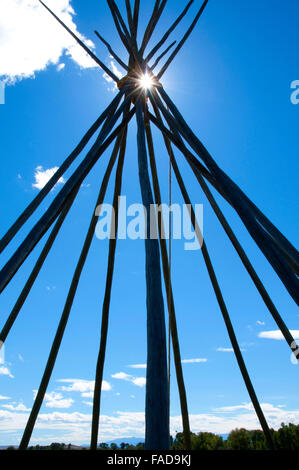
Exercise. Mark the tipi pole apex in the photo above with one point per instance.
(120, 19)
(157, 12)
(130, 17)
(136, 17)
(182, 42)
(124, 38)
(161, 56)
(147, 30)
(133, 30)
(114, 55)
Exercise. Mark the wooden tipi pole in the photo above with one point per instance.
(157, 403)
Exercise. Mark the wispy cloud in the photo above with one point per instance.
(225, 349)
(137, 366)
(85, 387)
(31, 39)
(88, 403)
(55, 400)
(230, 350)
(138, 381)
(75, 427)
(122, 376)
(6, 371)
(261, 323)
(60, 67)
(4, 398)
(50, 288)
(16, 407)
(184, 361)
(42, 177)
(277, 334)
(116, 72)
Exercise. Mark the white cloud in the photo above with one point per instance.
(2, 353)
(31, 39)
(87, 394)
(277, 334)
(60, 67)
(75, 427)
(85, 387)
(5, 371)
(106, 386)
(225, 350)
(261, 323)
(116, 72)
(15, 407)
(230, 409)
(55, 400)
(60, 403)
(137, 366)
(4, 398)
(138, 381)
(20, 357)
(42, 177)
(194, 361)
(122, 376)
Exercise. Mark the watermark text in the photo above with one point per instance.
(136, 222)
(295, 93)
(2, 92)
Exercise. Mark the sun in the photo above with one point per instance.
(146, 81)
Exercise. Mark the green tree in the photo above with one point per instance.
(206, 441)
(123, 445)
(287, 437)
(258, 440)
(103, 446)
(140, 446)
(113, 446)
(57, 446)
(239, 439)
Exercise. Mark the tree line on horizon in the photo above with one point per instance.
(285, 438)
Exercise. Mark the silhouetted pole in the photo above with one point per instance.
(157, 403)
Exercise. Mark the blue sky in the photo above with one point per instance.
(232, 82)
